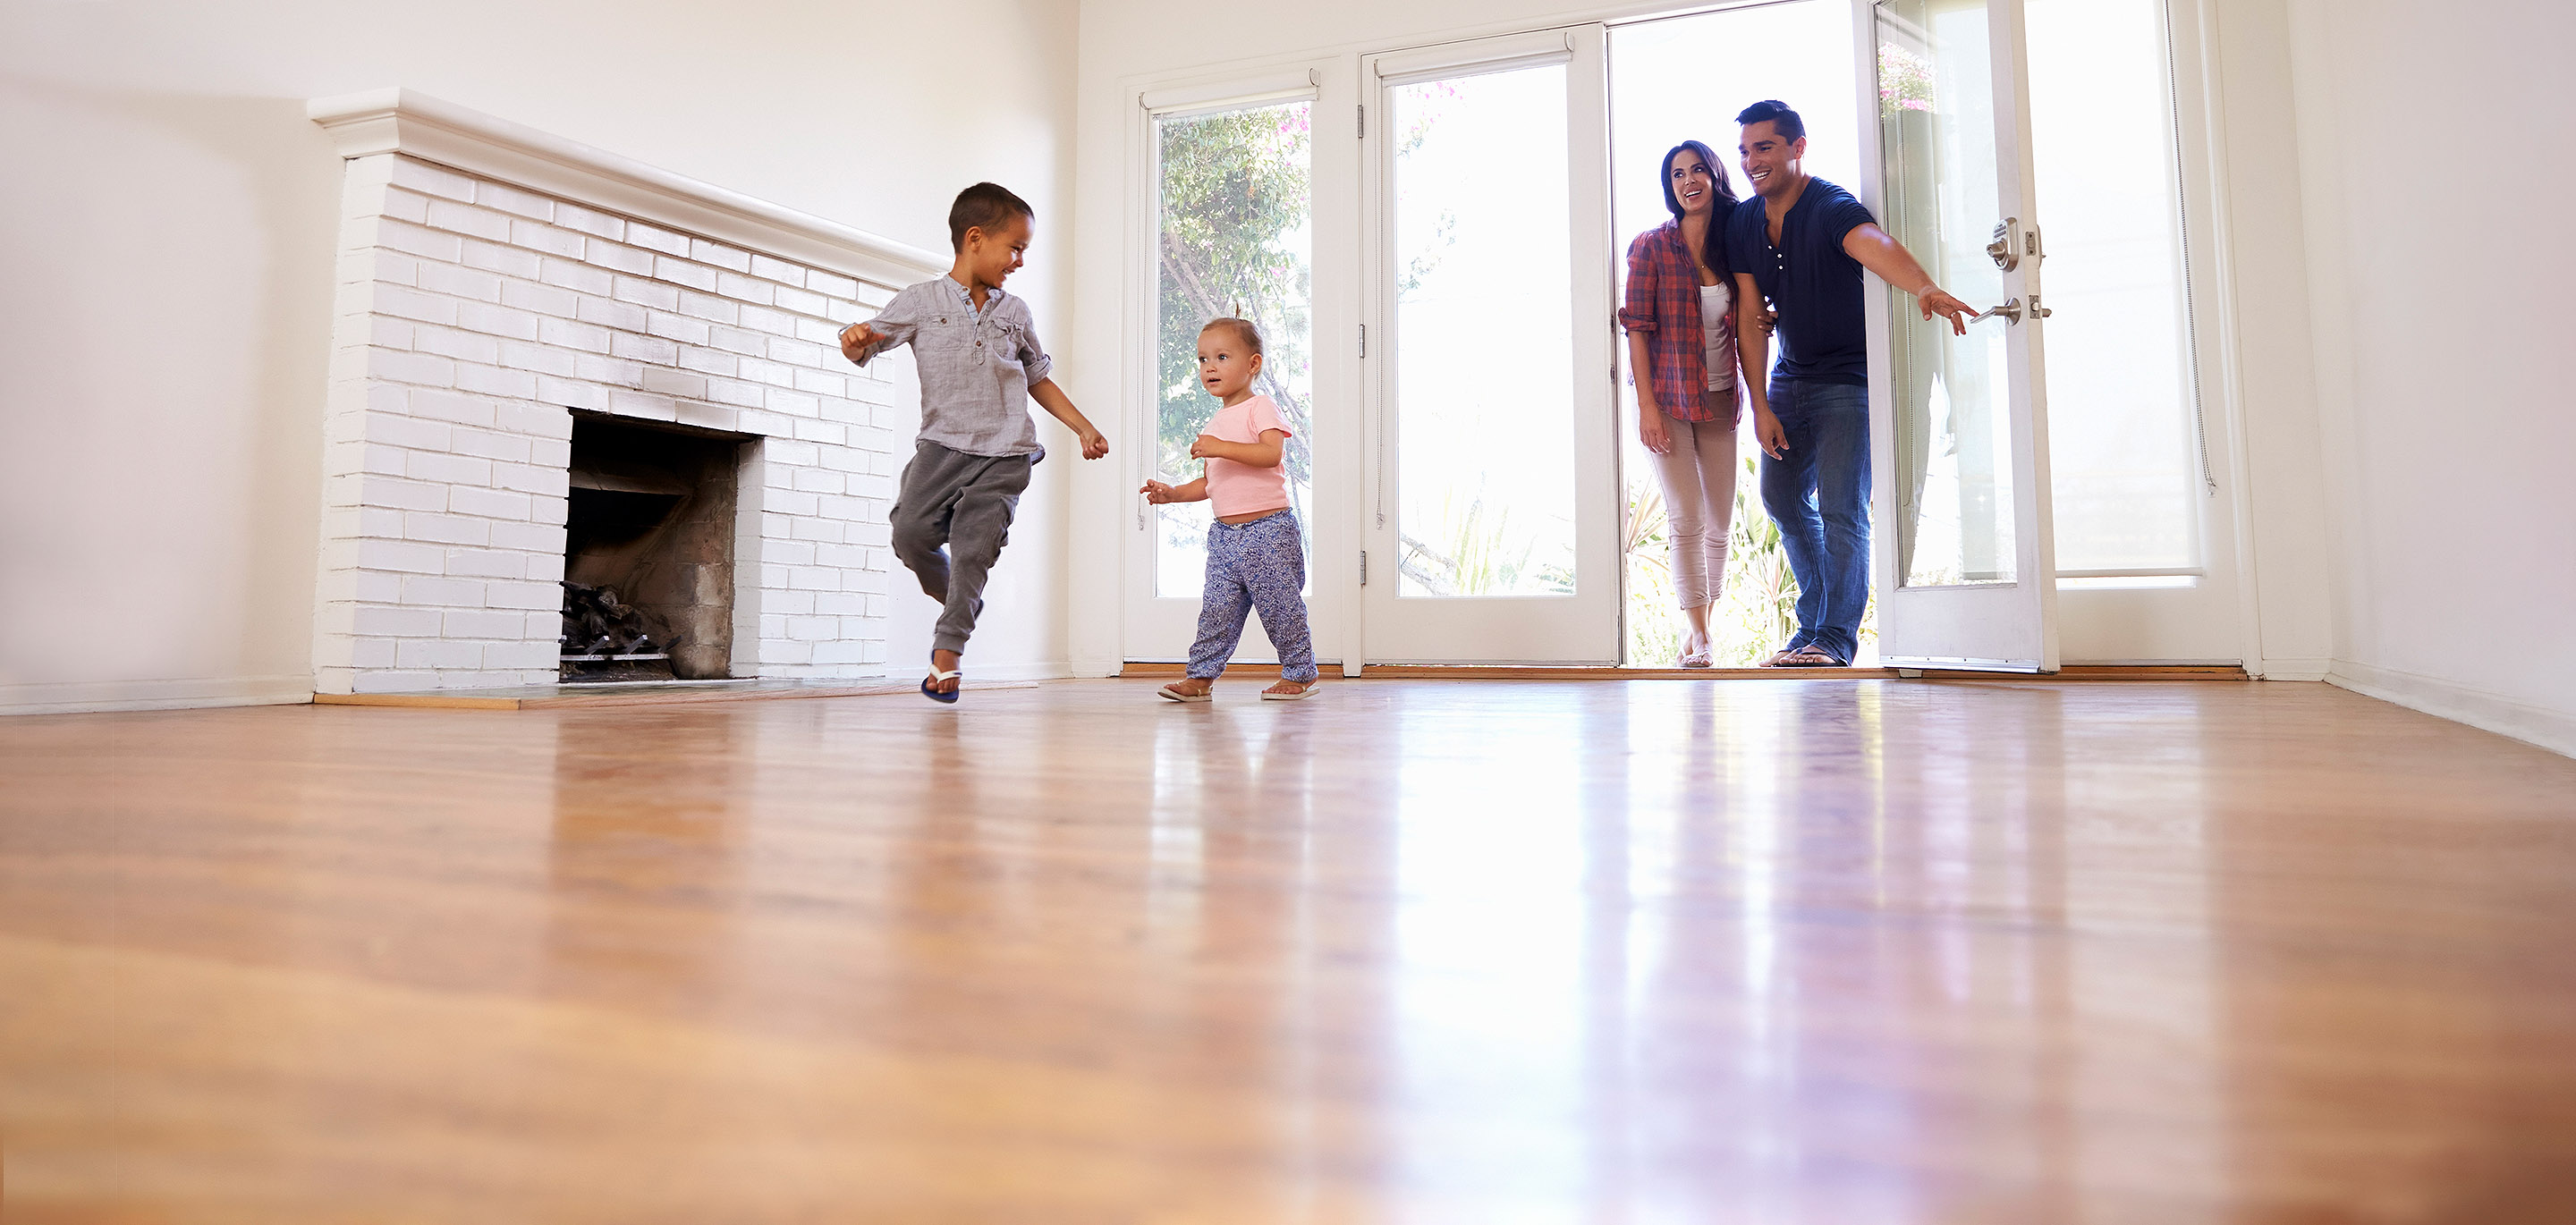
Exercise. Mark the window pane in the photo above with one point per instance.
(1954, 510)
(1483, 336)
(2121, 407)
(1235, 239)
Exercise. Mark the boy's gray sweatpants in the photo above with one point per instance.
(964, 502)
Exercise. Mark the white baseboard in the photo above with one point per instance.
(2554, 730)
(71, 697)
(2293, 668)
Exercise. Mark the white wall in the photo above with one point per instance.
(2268, 365)
(2433, 146)
(166, 267)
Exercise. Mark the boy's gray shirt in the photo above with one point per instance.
(976, 366)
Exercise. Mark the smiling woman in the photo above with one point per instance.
(1681, 344)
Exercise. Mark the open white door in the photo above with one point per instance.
(1228, 169)
(1491, 529)
(1963, 550)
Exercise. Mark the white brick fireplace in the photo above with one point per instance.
(492, 280)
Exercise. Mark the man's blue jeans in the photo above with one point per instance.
(1819, 495)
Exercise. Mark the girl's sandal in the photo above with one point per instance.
(1178, 694)
(1304, 691)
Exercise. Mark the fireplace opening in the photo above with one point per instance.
(649, 552)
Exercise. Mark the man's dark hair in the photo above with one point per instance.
(986, 207)
(1778, 115)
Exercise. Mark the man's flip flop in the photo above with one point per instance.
(1809, 657)
(936, 675)
(1300, 695)
(1178, 694)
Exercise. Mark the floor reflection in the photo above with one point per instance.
(1232, 845)
(1488, 1006)
(651, 836)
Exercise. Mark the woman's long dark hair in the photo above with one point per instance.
(1713, 243)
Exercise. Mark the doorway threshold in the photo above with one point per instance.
(1527, 672)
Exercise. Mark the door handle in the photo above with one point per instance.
(2010, 310)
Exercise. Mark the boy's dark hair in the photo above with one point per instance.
(1715, 240)
(1777, 113)
(985, 206)
(1242, 327)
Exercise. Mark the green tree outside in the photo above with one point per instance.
(1236, 196)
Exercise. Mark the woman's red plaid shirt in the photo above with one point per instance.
(1663, 305)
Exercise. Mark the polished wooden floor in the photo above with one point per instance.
(1411, 951)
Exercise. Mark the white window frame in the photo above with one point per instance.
(1146, 632)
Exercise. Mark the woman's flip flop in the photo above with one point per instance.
(1178, 694)
(1307, 692)
(935, 695)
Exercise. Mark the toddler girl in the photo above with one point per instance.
(1255, 560)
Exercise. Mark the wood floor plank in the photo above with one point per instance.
(1407, 951)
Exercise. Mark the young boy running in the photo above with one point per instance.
(980, 363)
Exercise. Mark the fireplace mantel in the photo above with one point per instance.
(435, 130)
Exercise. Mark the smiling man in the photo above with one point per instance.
(1800, 243)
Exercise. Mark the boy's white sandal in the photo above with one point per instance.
(950, 696)
(1300, 695)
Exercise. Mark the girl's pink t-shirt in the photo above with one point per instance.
(1241, 489)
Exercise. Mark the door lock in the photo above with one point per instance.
(2005, 250)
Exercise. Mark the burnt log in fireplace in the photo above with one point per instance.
(596, 622)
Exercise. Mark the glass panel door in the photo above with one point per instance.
(1495, 509)
(1484, 447)
(1233, 236)
(2124, 448)
(1961, 449)
(2144, 504)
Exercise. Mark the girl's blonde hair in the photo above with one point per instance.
(1242, 327)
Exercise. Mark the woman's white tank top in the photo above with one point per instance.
(1716, 303)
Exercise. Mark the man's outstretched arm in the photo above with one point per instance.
(1898, 267)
